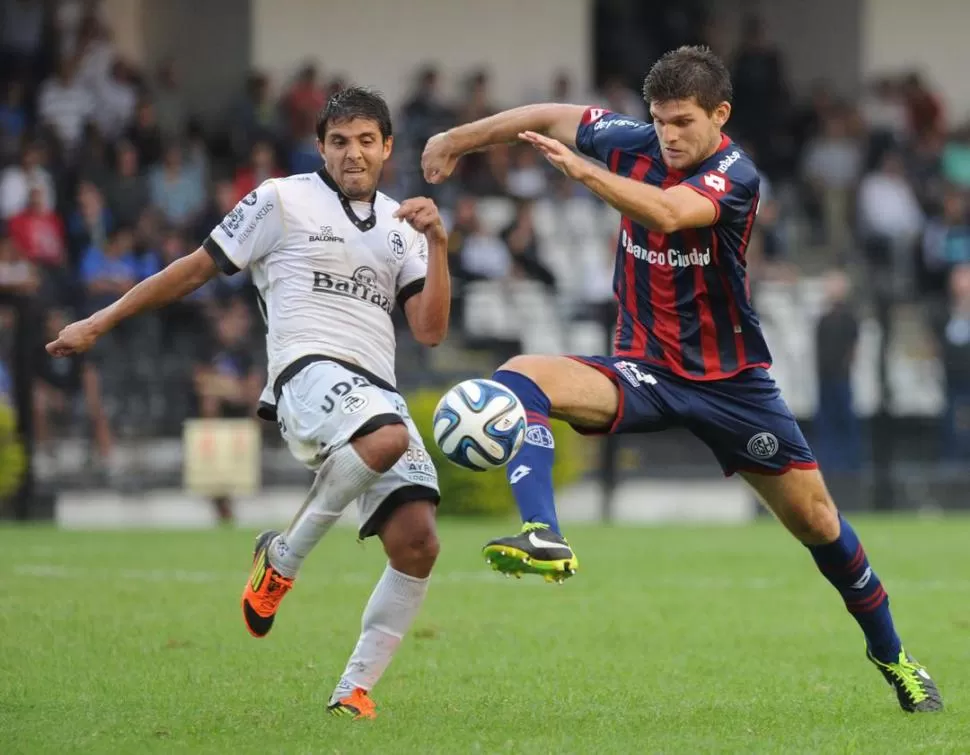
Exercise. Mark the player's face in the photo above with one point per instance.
(355, 153)
(688, 134)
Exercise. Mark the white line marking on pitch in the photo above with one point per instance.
(56, 571)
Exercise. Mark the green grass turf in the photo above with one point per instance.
(671, 639)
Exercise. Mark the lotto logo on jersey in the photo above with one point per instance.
(717, 183)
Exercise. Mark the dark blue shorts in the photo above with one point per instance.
(743, 419)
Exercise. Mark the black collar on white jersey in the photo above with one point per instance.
(362, 225)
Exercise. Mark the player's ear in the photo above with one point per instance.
(320, 148)
(388, 146)
(721, 114)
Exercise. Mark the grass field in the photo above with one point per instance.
(674, 639)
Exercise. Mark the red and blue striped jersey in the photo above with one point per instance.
(683, 297)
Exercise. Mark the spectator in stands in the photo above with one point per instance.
(90, 223)
(925, 108)
(255, 116)
(482, 173)
(886, 117)
(220, 202)
(807, 120)
(890, 222)
(946, 240)
(39, 233)
(93, 161)
(838, 442)
(21, 35)
(65, 105)
(481, 256)
(527, 176)
(490, 177)
(832, 164)
(17, 180)
(304, 100)
(262, 166)
(17, 275)
(760, 92)
(108, 272)
(523, 246)
(620, 98)
(955, 160)
(13, 119)
(58, 384)
(95, 53)
(169, 102)
(227, 380)
(924, 166)
(953, 330)
(424, 114)
(115, 100)
(145, 134)
(126, 190)
(176, 189)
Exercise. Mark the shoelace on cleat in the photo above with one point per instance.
(267, 600)
(907, 673)
(531, 526)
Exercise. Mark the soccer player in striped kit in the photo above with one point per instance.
(689, 351)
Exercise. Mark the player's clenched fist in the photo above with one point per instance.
(422, 214)
(75, 338)
(439, 158)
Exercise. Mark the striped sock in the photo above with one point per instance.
(845, 565)
(530, 473)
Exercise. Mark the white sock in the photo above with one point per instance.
(395, 602)
(342, 477)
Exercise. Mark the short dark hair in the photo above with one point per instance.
(355, 102)
(689, 71)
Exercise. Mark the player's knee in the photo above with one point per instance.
(524, 364)
(415, 551)
(816, 519)
(381, 448)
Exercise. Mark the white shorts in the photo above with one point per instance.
(326, 405)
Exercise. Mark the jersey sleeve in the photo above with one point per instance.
(252, 228)
(601, 131)
(731, 185)
(414, 269)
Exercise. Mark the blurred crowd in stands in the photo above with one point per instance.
(106, 178)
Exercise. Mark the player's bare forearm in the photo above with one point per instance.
(558, 121)
(428, 312)
(177, 280)
(661, 210)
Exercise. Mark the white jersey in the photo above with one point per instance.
(328, 271)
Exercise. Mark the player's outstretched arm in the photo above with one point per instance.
(443, 150)
(428, 312)
(664, 210)
(179, 279)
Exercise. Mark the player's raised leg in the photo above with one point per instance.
(563, 388)
(801, 501)
(411, 543)
(359, 448)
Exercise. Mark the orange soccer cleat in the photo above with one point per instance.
(264, 590)
(357, 705)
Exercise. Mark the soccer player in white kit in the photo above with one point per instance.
(330, 257)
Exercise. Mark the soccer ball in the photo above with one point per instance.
(479, 425)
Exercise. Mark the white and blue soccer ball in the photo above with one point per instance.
(479, 425)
